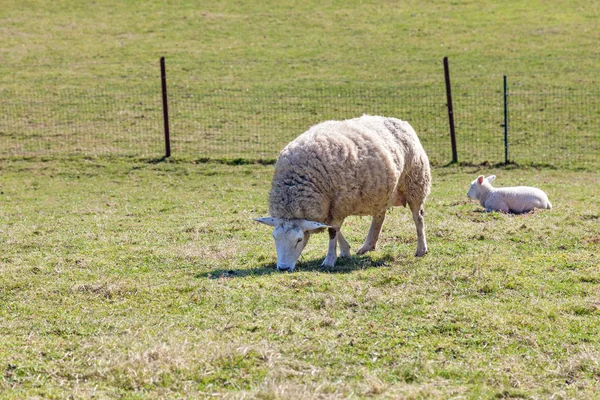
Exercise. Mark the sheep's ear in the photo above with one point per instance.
(311, 225)
(269, 221)
(490, 178)
(480, 179)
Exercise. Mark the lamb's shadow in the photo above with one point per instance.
(342, 266)
(524, 213)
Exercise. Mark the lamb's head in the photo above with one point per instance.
(476, 186)
(291, 236)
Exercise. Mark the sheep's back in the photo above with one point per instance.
(523, 198)
(339, 168)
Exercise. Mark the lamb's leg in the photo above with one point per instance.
(373, 235)
(497, 205)
(418, 216)
(332, 251)
(344, 246)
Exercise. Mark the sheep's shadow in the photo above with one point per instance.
(343, 266)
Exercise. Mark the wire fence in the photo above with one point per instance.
(80, 121)
(254, 121)
(257, 123)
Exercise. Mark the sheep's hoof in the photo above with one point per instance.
(365, 249)
(345, 254)
(328, 263)
(344, 250)
(420, 253)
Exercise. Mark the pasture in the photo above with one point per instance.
(136, 279)
(246, 77)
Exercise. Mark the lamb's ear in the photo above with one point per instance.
(480, 179)
(311, 225)
(268, 221)
(490, 178)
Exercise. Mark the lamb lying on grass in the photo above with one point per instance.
(361, 166)
(517, 199)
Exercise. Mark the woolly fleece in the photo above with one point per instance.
(360, 166)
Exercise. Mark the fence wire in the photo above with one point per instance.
(258, 122)
(91, 121)
(559, 127)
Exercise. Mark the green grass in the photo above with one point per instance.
(356, 40)
(136, 279)
(245, 77)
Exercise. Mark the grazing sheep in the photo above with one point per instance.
(360, 166)
(518, 199)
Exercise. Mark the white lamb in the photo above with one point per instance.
(518, 199)
(361, 166)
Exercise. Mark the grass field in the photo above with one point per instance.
(247, 76)
(142, 280)
(321, 40)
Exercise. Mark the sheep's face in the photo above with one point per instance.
(475, 189)
(290, 240)
(291, 236)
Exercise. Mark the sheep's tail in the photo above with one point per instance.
(549, 205)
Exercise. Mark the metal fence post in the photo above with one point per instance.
(505, 121)
(163, 78)
(450, 110)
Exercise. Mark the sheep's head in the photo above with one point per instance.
(476, 185)
(291, 236)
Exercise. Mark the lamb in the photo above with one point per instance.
(519, 199)
(360, 166)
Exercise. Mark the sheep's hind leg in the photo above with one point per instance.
(373, 235)
(418, 216)
(332, 250)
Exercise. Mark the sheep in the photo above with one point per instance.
(360, 166)
(518, 199)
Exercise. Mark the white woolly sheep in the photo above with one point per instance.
(360, 166)
(518, 199)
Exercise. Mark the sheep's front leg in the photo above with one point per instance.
(497, 205)
(332, 251)
(373, 235)
(344, 245)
